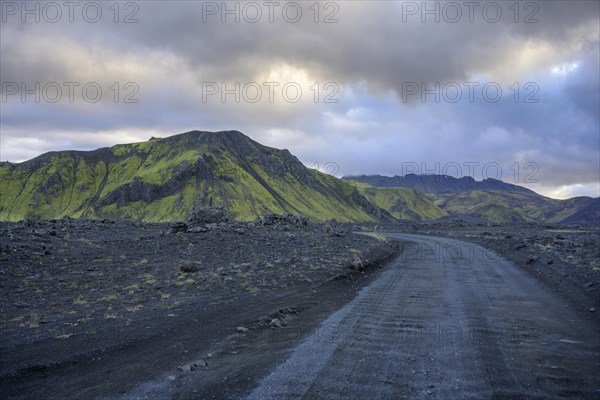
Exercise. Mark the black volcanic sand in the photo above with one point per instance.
(93, 308)
(564, 258)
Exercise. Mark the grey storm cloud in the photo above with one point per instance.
(371, 53)
(376, 43)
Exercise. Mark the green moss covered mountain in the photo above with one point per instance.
(402, 203)
(164, 179)
(502, 206)
(489, 199)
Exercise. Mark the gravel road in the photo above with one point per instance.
(448, 320)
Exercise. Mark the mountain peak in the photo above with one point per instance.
(229, 134)
(163, 179)
(433, 184)
(196, 136)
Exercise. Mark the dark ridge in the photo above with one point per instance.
(436, 184)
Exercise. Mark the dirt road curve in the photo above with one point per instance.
(447, 320)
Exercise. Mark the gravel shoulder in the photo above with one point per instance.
(95, 308)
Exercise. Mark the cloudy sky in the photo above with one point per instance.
(487, 89)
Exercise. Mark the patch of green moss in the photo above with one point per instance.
(402, 203)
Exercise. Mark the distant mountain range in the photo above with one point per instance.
(433, 184)
(162, 180)
(489, 199)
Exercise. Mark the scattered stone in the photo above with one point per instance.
(179, 227)
(277, 323)
(185, 368)
(357, 264)
(189, 268)
(284, 220)
(303, 220)
(329, 226)
(201, 215)
(530, 261)
(200, 363)
(242, 329)
(589, 284)
(192, 366)
(288, 310)
(198, 229)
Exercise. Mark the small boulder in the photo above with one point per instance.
(209, 215)
(530, 261)
(242, 329)
(199, 363)
(302, 220)
(329, 226)
(284, 221)
(288, 310)
(179, 227)
(357, 263)
(189, 268)
(185, 368)
(192, 366)
(277, 323)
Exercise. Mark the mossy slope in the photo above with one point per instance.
(402, 203)
(163, 179)
(503, 206)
